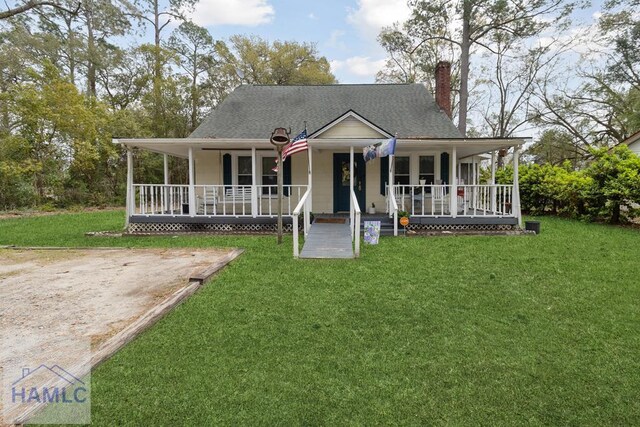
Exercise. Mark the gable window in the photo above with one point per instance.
(269, 177)
(244, 170)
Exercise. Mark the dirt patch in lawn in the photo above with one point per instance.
(90, 294)
(32, 213)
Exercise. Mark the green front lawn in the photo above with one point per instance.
(461, 330)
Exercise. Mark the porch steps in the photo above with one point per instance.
(386, 224)
(327, 240)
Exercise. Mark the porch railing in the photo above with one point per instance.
(153, 199)
(470, 200)
(268, 198)
(487, 200)
(215, 200)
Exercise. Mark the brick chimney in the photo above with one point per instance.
(443, 86)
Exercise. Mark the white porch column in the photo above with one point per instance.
(192, 188)
(390, 179)
(493, 167)
(165, 193)
(493, 182)
(254, 183)
(351, 187)
(310, 177)
(474, 182)
(474, 170)
(453, 205)
(390, 190)
(131, 197)
(516, 186)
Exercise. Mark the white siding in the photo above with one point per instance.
(635, 147)
(299, 162)
(350, 127)
(208, 167)
(322, 195)
(208, 171)
(373, 187)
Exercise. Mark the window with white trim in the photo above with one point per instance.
(269, 177)
(427, 170)
(402, 170)
(244, 170)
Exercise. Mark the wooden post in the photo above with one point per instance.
(192, 188)
(254, 183)
(516, 186)
(131, 197)
(280, 172)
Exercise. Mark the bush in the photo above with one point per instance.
(607, 188)
(614, 184)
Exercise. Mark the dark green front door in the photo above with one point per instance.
(341, 182)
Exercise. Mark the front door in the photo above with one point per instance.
(341, 182)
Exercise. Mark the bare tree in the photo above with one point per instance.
(32, 4)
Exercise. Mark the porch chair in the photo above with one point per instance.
(440, 199)
(234, 195)
(208, 201)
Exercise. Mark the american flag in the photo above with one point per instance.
(298, 144)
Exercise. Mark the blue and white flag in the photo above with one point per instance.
(381, 149)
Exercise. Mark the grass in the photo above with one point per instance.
(459, 330)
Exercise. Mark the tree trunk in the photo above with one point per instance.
(194, 92)
(615, 215)
(158, 126)
(465, 48)
(72, 48)
(91, 52)
(4, 111)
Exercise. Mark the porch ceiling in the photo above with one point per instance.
(179, 147)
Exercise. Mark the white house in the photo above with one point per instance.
(232, 186)
(633, 142)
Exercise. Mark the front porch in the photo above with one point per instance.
(231, 187)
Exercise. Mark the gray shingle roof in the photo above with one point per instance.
(254, 111)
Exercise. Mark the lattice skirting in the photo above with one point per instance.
(176, 227)
(418, 228)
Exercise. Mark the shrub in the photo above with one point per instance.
(606, 189)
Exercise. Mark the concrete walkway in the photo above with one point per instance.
(328, 241)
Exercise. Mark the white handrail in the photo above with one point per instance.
(296, 212)
(355, 224)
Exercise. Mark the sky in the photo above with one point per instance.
(344, 31)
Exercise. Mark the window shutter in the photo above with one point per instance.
(227, 177)
(286, 175)
(384, 174)
(444, 167)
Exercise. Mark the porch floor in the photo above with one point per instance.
(328, 240)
